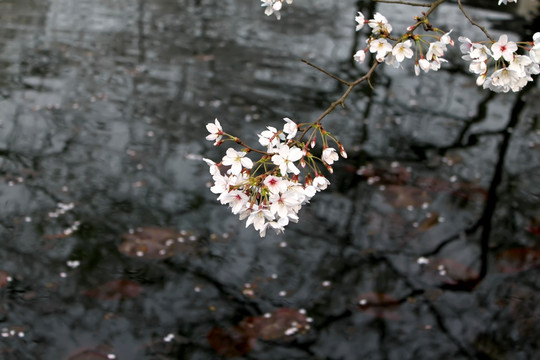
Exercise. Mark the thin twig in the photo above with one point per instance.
(474, 22)
(351, 86)
(326, 72)
(403, 3)
(367, 76)
(433, 6)
(243, 144)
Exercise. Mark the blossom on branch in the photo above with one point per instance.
(512, 71)
(270, 192)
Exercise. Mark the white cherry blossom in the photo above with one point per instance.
(403, 50)
(379, 24)
(215, 130)
(320, 182)
(269, 137)
(221, 184)
(360, 21)
(237, 160)
(237, 200)
(329, 155)
(478, 66)
(213, 167)
(381, 47)
(285, 159)
(282, 204)
(360, 56)
(480, 52)
(506, 1)
(446, 39)
(290, 128)
(466, 45)
(534, 53)
(436, 49)
(258, 216)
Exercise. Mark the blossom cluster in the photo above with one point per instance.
(512, 71)
(270, 192)
(429, 55)
(273, 7)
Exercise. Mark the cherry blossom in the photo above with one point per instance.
(221, 184)
(320, 182)
(534, 53)
(216, 132)
(290, 128)
(275, 184)
(329, 155)
(403, 50)
(267, 196)
(214, 169)
(360, 21)
(436, 49)
(269, 138)
(273, 7)
(284, 203)
(480, 52)
(380, 24)
(237, 160)
(466, 45)
(258, 216)
(446, 39)
(236, 199)
(512, 70)
(360, 56)
(285, 159)
(269, 192)
(504, 48)
(381, 47)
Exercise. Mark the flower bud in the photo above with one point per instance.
(342, 151)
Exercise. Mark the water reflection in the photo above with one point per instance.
(424, 245)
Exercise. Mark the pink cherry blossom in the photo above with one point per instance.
(504, 48)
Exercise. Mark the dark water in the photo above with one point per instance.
(102, 113)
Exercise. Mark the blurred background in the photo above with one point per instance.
(425, 246)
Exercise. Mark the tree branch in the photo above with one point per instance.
(403, 3)
(474, 23)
